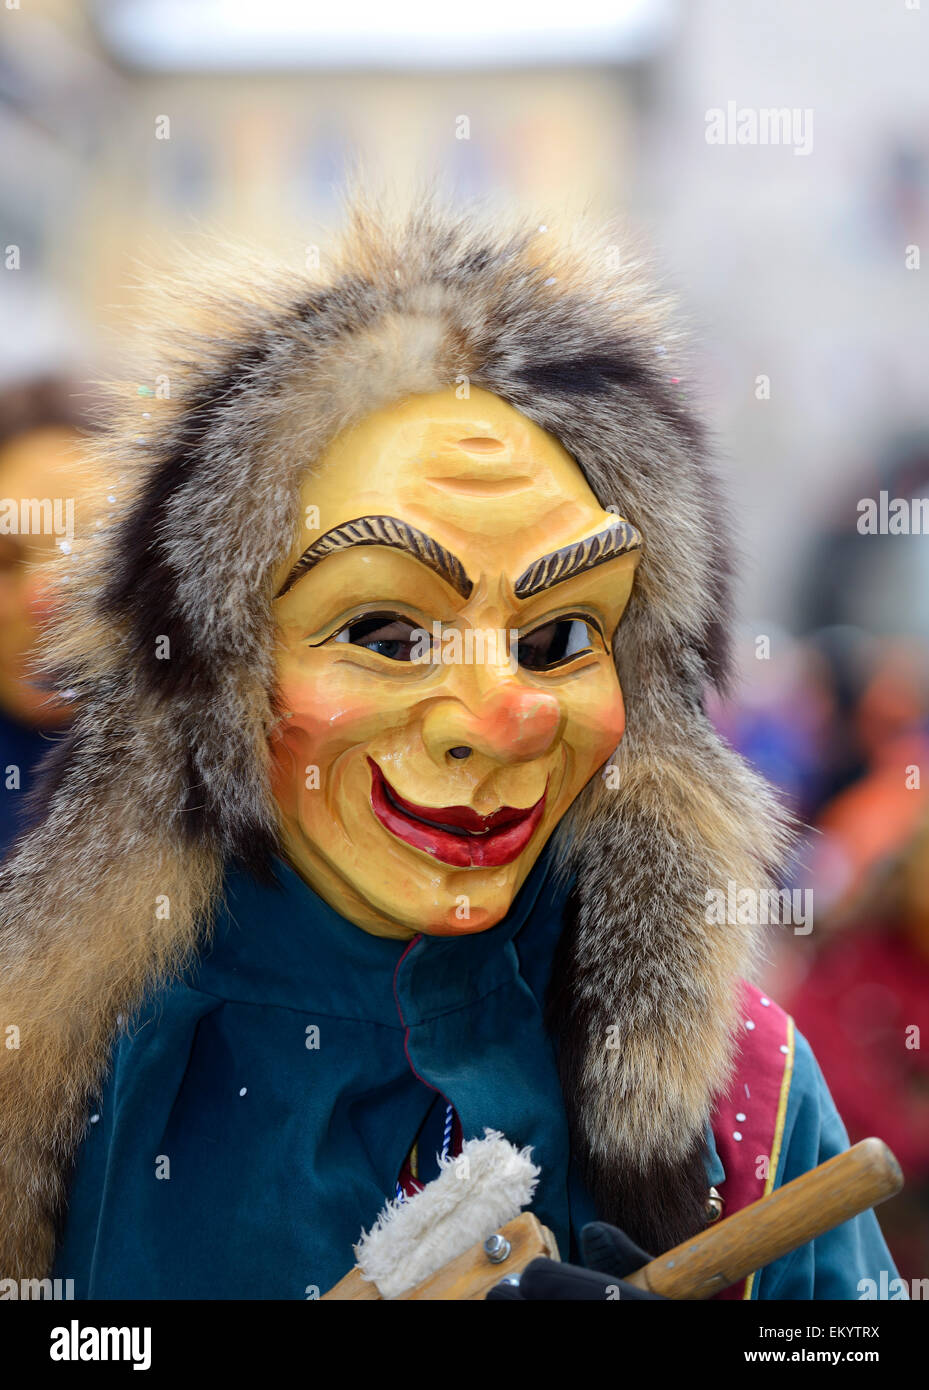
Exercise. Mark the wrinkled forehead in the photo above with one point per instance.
(474, 473)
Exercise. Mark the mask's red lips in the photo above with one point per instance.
(455, 834)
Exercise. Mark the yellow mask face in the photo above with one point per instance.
(447, 678)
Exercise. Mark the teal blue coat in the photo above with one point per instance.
(258, 1113)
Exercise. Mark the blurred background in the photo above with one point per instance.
(126, 124)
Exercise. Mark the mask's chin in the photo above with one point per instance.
(402, 893)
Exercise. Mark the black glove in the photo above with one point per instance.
(608, 1255)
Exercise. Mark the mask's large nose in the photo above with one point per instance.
(495, 716)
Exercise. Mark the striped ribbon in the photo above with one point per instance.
(446, 1145)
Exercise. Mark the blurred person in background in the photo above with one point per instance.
(784, 717)
(874, 817)
(864, 1006)
(41, 478)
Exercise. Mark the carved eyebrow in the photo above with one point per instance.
(382, 530)
(619, 538)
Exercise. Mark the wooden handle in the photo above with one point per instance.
(796, 1213)
(467, 1277)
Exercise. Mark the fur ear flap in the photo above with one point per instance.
(644, 986)
(78, 954)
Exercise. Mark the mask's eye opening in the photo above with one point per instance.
(556, 642)
(387, 634)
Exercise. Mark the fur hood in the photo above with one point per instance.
(164, 776)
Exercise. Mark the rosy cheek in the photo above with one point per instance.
(326, 715)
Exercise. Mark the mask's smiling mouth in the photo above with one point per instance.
(455, 834)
